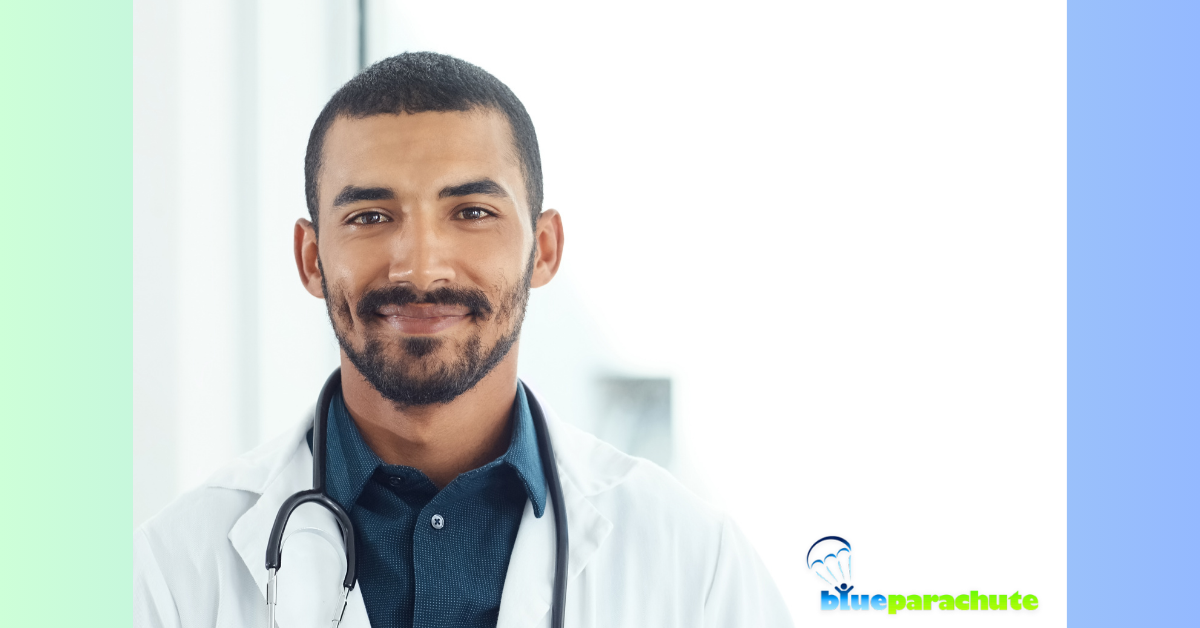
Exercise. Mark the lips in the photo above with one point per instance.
(422, 318)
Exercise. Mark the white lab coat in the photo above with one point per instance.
(644, 552)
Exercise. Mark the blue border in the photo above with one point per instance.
(1133, 313)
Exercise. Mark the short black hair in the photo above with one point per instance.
(416, 82)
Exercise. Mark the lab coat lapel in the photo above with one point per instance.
(249, 537)
(529, 582)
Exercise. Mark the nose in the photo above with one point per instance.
(420, 255)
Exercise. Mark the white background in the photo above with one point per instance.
(838, 227)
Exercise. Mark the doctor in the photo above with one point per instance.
(424, 191)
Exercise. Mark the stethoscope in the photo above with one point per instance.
(317, 495)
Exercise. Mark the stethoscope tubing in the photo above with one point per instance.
(561, 542)
(317, 493)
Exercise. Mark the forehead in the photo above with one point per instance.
(418, 153)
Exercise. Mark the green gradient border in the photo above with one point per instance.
(66, 181)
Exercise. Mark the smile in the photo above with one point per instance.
(422, 318)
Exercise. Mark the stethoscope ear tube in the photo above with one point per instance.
(561, 543)
(275, 541)
(317, 493)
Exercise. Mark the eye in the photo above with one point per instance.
(474, 213)
(369, 218)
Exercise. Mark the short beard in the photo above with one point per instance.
(397, 380)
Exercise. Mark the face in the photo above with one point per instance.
(426, 250)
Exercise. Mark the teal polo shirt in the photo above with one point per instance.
(426, 557)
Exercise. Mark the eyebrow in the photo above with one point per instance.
(481, 186)
(354, 194)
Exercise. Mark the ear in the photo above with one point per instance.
(307, 261)
(549, 238)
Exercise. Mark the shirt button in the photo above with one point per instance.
(437, 522)
(396, 482)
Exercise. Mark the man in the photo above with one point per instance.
(424, 190)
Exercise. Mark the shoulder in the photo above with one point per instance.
(194, 528)
(187, 570)
(183, 559)
(628, 489)
(666, 540)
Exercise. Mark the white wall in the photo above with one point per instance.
(840, 229)
(155, 175)
(227, 349)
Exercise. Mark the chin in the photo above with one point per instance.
(421, 346)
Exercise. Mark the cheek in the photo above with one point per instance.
(347, 271)
(339, 302)
(343, 307)
(510, 297)
(499, 269)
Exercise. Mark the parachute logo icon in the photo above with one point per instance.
(829, 558)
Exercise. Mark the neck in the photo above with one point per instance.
(441, 441)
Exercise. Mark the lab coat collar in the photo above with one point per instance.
(529, 583)
(282, 467)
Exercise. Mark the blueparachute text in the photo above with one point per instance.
(892, 603)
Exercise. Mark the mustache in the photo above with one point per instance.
(471, 298)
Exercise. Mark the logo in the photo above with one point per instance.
(830, 558)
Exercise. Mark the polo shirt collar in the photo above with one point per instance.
(523, 455)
